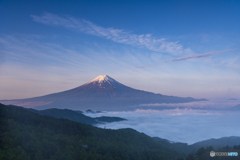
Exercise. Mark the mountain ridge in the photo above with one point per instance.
(103, 93)
(72, 115)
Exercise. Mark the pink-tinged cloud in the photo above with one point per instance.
(188, 57)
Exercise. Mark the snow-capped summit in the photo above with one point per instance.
(102, 79)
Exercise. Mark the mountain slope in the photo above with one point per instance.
(187, 149)
(101, 87)
(102, 93)
(217, 143)
(27, 135)
(76, 116)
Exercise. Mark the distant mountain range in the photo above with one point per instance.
(215, 143)
(102, 93)
(76, 116)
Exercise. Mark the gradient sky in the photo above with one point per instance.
(181, 48)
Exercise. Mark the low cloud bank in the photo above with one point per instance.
(178, 125)
(212, 104)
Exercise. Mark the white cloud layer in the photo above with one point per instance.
(213, 104)
(116, 35)
(177, 125)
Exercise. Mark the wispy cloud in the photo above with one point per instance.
(189, 57)
(116, 35)
(27, 50)
(199, 55)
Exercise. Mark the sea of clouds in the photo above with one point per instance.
(180, 124)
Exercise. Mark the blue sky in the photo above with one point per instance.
(181, 48)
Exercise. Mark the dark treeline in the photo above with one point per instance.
(25, 135)
(76, 116)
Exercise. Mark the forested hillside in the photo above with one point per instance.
(29, 136)
(25, 135)
(77, 116)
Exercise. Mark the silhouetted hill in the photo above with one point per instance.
(77, 116)
(91, 111)
(217, 143)
(109, 119)
(27, 135)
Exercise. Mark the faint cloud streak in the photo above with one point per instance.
(116, 35)
(188, 57)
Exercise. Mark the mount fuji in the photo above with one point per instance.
(102, 93)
